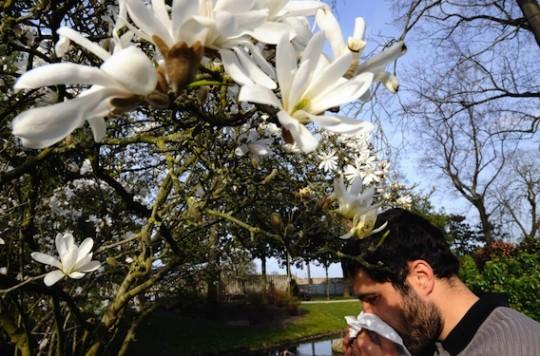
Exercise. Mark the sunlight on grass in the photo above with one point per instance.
(168, 333)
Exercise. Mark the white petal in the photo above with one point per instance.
(241, 150)
(195, 29)
(83, 42)
(53, 277)
(90, 266)
(300, 30)
(160, 11)
(259, 149)
(249, 20)
(60, 243)
(254, 72)
(340, 124)
(62, 47)
(258, 94)
(314, 49)
(81, 261)
(356, 187)
(380, 60)
(64, 73)
(342, 94)
(45, 126)
(388, 80)
(69, 259)
(356, 42)
(233, 6)
(46, 259)
(232, 66)
(144, 17)
(301, 8)
(299, 84)
(131, 67)
(285, 65)
(330, 26)
(99, 128)
(182, 10)
(64, 242)
(302, 137)
(270, 32)
(85, 247)
(260, 60)
(325, 79)
(359, 28)
(76, 275)
(348, 235)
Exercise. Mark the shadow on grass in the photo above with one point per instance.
(238, 328)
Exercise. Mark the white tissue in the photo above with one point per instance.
(374, 323)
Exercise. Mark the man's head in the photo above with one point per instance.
(397, 278)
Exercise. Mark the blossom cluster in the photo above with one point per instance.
(271, 54)
(267, 47)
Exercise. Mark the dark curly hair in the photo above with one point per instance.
(407, 237)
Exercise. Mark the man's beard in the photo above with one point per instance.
(422, 321)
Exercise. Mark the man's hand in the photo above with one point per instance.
(368, 343)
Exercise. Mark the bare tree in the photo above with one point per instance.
(519, 196)
(493, 38)
(473, 93)
(467, 148)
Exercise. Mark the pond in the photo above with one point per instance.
(309, 348)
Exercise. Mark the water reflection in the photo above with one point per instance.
(310, 348)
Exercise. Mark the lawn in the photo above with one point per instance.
(167, 333)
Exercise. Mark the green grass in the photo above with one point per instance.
(334, 297)
(170, 334)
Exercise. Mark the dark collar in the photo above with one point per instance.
(462, 334)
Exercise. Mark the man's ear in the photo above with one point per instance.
(421, 277)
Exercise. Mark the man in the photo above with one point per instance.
(407, 275)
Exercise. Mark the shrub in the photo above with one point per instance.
(518, 277)
(283, 300)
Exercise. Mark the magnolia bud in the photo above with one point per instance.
(277, 223)
(287, 136)
(111, 261)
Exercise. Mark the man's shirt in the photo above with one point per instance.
(490, 328)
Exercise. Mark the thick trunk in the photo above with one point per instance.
(212, 276)
(327, 282)
(309, 273)
(289, 274)
(531, 11)
(263, 271)
(487, 228)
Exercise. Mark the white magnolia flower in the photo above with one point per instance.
(356, 44)
(370, 176)
(86, 167)
(124, 78)
(74, 262)
(309, 88)
(404, 201)
(356, 205)
(251, 142)
(363, 165)
(328, 161)
(284, 16)
(2, 242)
(192, 25)
(3, 271)
(62, 47)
